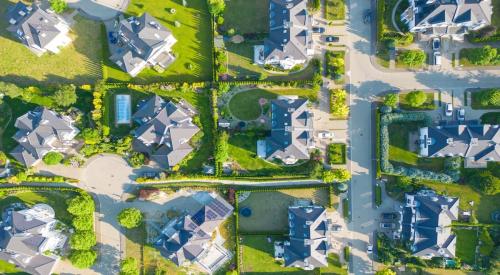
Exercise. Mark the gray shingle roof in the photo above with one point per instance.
(290, 30)
(165, 130)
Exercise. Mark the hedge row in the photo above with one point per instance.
(386, 166)
(237, 187)
(280, 177)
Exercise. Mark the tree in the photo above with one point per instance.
(416, 98)
(327, 176)
(486, 182)
(341, 174)
(483, 56)
(83, 258)
(82, 240)
(81, 205)
(314, 5)
(386, 271)
(91, 136)
(65, 96)
(129, 267)
(338, 105)
(3, 158)
(84, 222)
(11, 90)
(130, 218)
(52, 158)
(391, 100)
(490, 97)
(412, 58)
(137, 159)
(59, 6)
(216, 7)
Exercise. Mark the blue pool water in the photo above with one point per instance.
(122, 109)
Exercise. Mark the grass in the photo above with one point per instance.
(193, 42)
(245, 105)
(256, 19)
(78, 63)
(241, 67)
(275, 202)
(336, 153)
(476, 99)
(334, 10)
(427, 105)
(491, 118)
(10, 269)
(466, 245)
(495, 18)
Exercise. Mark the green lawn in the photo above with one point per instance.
(337, 153)
(241, 67)
(334, 9)
(275, 202)
(428, 104)
(255, 20)
(193, 42)
(466, 245)
(78, 63)
(10, 269)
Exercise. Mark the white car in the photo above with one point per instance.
(461, 114)
(326, 134)
(437, 58)
(448, 111)
(369, 249)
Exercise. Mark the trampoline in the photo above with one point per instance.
(246, 212)
(122, 109)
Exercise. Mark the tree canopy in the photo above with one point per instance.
(416, 98)
(391, 100)
(65, 96)
(413, 58)
(52, 158)
(81, 205)
(59, 6)
(386, 271)
(216, 7)
(129, 267)
(130, 217)
(82, 240)
(83, 258)
(84, 222)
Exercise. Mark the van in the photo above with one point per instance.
(437, 58)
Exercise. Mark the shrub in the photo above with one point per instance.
(82, 240)
(490, 97)
(65, 96)
(416, 98)
(129, 266)
(81, 205)
(52, 158)
(391, 100)
(130, 218)
(314, 5)
(3, 158)
(491, 118)
(338, 106)
(137, 159)
(485, 182)
(334, 64)
(482, 56)
(221, 150)
(386, 271)
(83, 258)
(85, 222)
(412, 58)
(216, 7)
(59, 6)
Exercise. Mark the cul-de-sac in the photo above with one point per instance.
(252, 137)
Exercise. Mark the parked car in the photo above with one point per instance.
(318, 29)
(367, 16)
(389, 216)
(369, 248)
(436, 44)
(331, 38)
(150, 174)
(336, 227)
(461, 114)
(448, 109)
(113, 37)
(387, 225)
(437, 58)
(325, 134)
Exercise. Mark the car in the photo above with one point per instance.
(389, 216)
(436, 44)
(387, 225)
(336, 227)
(448, 109)
(318, 29)
(150, 174)
(369, 248)
(437, 58)
(461, 114)
(113, 37)
(367, 16)
(326, 134)
(331, 38)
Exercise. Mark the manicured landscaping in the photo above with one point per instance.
(275, 202)
(378, 195)
(193, 49)
(334, 9)
(491, 118)
(345, 208)
(256, 19)
(466, 245)
(429, 103)
(335, 65)
(485, 56)
(10, 269)
(336, 153)
(486, 99)
(78, 63)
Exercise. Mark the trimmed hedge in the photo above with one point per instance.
(378, 195)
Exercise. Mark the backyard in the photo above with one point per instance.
(466, 245)
(275, 202)
(193, 48)
(78, 63)
(256, 19)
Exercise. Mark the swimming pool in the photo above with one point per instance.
(122, 109)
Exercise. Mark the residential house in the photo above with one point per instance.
(451, 18)
(164, 131)
(39, 30)
(476, 143)
(188, 238)
(142, 42)
(309, 232)
(28, 237)
(290, 40)
(426, 224)
(291, 131)
(41, 131)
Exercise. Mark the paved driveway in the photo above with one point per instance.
(99, 9)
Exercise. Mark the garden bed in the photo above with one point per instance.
(334, 10)
(429, 103)
(336, 153)
(477, 99)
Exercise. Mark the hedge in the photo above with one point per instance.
(345, 208)
(378, 195)
(237, 187)
(347, 253)
(251, 177)
(377, 142)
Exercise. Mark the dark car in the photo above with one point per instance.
(318, 29)
(150, 174)
(113, 38)
(436, 44)
(367, 16)
(387, 225)
(331, 38)
(389, 216)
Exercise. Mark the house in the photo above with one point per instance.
(41, 131)
(426, 224)
(477, 143)
(142, 42)
(28, 237)
(291, 131)
(451, 18)
(309, 232)
(290, 40)
(38, 29)
(188, 238)
(164, 131)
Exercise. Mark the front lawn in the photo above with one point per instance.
(336, 153)
(78, 63)
(10, 269)
(466, 245)
(334, 10)
(427, 105)
(275, 202)
(193, 42)
(255, 20)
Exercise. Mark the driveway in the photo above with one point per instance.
(99, 9)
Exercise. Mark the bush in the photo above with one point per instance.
(412, 58)
(481, 56)
(334, 64)
(83, 222)
(216, 7)
(416, 98)
(137, 159)
(59, 6)
(81, 205)
(338, 106)
(491, 118)
(52, 158)
(3, 158)
(490, 98)
(378, 195)
(82, 240)
(83, 258)
(129, 266)
(391, 100)
(65, 96)
(130, 218)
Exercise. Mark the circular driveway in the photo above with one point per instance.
(99, 9)
(107, 175)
